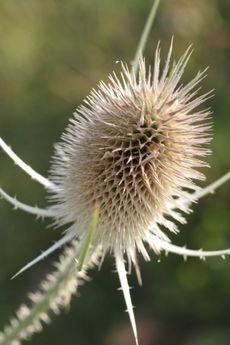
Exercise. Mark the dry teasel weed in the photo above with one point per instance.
(132, 148)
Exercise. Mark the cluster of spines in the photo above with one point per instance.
(54, 294)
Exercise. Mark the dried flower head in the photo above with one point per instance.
(132, 149)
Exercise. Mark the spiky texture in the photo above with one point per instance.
(132, 149)
(55, 293)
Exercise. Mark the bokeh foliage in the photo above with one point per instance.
(51, 54)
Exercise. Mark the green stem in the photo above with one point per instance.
(144, 35)
(51, 295)
(56, 290)
(88, 238)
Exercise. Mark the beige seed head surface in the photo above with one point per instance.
(132, 148)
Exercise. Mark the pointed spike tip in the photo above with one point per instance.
(126, 291)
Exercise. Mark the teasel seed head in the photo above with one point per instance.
(133, 148)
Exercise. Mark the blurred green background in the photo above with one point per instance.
(51, 54)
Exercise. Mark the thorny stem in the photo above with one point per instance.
(39, 212)
(30, 171)
(63, 240)
(145, 35)
(59, 284)
(210, 189)
(56, 290)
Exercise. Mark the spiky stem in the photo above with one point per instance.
(56, 290)
(120, 265)
(39, 212)
(158, 245)
(56, 293)
(211, 188)
(65, 239)
(31, 172)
